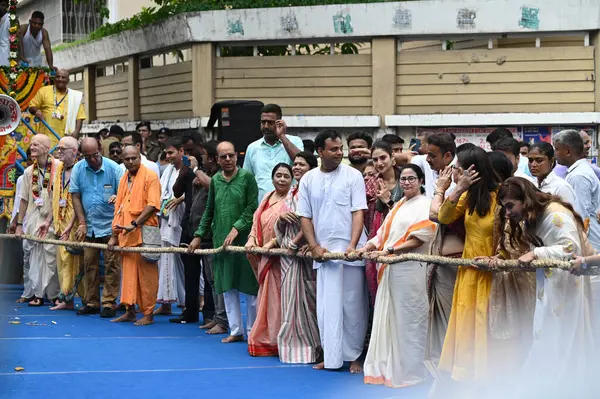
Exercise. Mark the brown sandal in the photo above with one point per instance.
(36, 303)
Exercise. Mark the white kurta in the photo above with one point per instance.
(42, 258)
(554, 185)
(171, 286)
(4, 39)
(563, 345)
(399, 334)
(329, 199)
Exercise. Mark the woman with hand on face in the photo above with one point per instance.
(298, 340)
(465, 351)
(262, 340)
(541, 165)
(383, 191)
(563, 342)
(397, 345)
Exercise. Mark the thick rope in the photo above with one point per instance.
(500, 265)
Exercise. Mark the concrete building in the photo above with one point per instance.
(64, 20)
(432, 65)
(122, 9)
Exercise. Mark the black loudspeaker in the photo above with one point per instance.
(239, 123)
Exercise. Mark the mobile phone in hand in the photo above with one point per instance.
(186, 161)
(415, 145)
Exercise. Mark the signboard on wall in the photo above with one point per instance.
(474, 135)
(537, 134)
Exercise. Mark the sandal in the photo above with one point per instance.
(36, 303)
(24, 300)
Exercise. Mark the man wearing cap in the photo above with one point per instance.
(150, 147)
(113, 135)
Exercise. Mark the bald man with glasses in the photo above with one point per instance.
(94, 185)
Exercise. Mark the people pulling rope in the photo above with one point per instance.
(491, 264)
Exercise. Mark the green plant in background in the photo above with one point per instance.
(167, 8)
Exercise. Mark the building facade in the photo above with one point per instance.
(430, 65)
(65, 20)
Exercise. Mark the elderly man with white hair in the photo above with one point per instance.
(36, 204)
(68, 260)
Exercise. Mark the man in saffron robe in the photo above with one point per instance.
(232, 200)
(36, 204)
(138, 201)
(64, 219)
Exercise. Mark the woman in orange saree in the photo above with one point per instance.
(262, 340)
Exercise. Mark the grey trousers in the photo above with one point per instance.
(220, 313)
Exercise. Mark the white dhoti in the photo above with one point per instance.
(171, 286)
(42, 271)
(27, 286)
(234, 313)
(342, 312)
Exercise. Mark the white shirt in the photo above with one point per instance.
(329, 200)
(149, 164)
(582, 178)
(554, 185)
(431, 175)
(520, 173)
(17, 203)
(523, 166)
(4, 39)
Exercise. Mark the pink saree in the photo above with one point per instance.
(263, 337)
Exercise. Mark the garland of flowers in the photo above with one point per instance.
(64, 193)
(13, 57)
(35, 186)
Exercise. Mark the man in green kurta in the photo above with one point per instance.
(232, 200)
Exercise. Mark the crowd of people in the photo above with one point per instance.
(397, 323)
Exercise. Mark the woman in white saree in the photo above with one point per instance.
(563, 345)
(397, 347)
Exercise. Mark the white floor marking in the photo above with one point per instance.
(150, 371)
(90, 338)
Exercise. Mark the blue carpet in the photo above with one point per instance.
(71, 356)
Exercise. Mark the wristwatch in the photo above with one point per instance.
(584, 264)
(390, 203)
(195, 170)
(134, 223)
(391, 250)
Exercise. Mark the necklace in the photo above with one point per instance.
(56, 102)
(35, 184)
(64, 195)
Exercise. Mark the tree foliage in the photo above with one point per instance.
(167, 8)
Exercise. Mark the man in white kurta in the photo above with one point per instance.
(569, 151)
(171, 287)
(331, 204)
(4, 33)
(27, 287)
(36, 205)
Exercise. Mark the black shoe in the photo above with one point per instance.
(88, 310)
(108, 312)
(183, 319)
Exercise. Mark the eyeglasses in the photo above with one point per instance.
(117, 152)
(227, 156)
(92, 156)
(268, 123)
(62, 149)
(410, 179)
